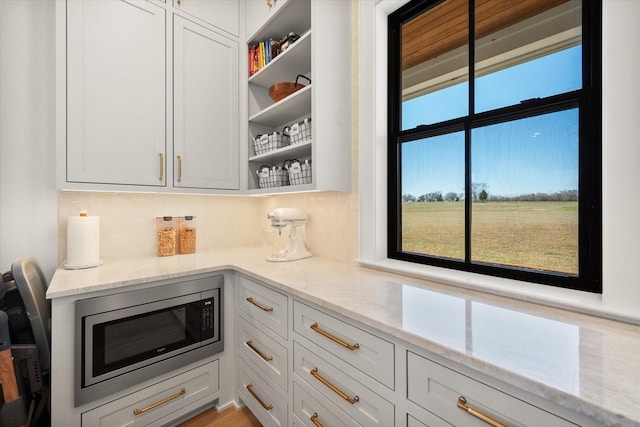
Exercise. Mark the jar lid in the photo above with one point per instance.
(167, 218)
(188, 217)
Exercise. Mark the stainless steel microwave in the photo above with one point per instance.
(130, 337)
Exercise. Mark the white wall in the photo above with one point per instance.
(28, 199)
(621, 155)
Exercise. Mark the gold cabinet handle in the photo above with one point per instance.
(269, 3)
(314, 420)
(258, 352)
(462, 404)
(260, 306)
(179, 1)
(179, 168)
(314, 373)
(161, 167)
(158, 403)
(333, 338)
(249, 388)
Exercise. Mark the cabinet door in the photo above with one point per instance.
(220, 13)
(115, 92)
(205, 117)
(259, 12)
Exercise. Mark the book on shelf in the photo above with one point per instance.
(261, 54)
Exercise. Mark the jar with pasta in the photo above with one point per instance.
(167, 236)
(187, 235)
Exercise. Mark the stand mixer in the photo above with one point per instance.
(296, 219)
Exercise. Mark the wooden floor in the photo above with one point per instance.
(230, 417)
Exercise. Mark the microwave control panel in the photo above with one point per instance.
(208, 318)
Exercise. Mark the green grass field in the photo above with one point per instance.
(538, 235)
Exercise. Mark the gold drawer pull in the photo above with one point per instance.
(249, 388)
(314, 420)
(333, 338)
(462, 404)
(158, 403)
(161, 167)
(179, 168)
(258, 352)
(336, 390)
(260, 306)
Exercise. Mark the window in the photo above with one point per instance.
(494, 123)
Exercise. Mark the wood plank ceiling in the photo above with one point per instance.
(445, 27)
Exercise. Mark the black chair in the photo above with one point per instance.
(25, 316)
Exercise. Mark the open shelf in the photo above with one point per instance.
(286, 110)
(281, 154)
(321, 54)
(286, 66)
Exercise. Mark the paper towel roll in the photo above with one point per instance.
(83, 242)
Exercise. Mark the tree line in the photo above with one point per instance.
(481, 195)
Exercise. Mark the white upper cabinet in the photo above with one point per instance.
(258, 12)
(220, 13)
(205, 75)
(148, 95)
(115, 93)
(156, 96)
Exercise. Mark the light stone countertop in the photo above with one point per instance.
(588, 364)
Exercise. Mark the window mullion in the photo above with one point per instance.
(467, 133)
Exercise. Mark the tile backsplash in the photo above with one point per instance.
(128, 227)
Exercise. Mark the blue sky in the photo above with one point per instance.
(538, 154)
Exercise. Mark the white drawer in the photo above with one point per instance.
(428, 420)
(412, 422)
(365, 406)
(308, 408)
(268, 356)
(267, 307)
(374, 355)
(178, 393)
(267, 405)
(438, 389)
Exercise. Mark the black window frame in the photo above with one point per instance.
(589, 103)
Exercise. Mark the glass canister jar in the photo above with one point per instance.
(167, 236)
(187, 235)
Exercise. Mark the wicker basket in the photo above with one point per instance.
(299, 132)
(272, 177)
(299, 173)
(269, 142)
